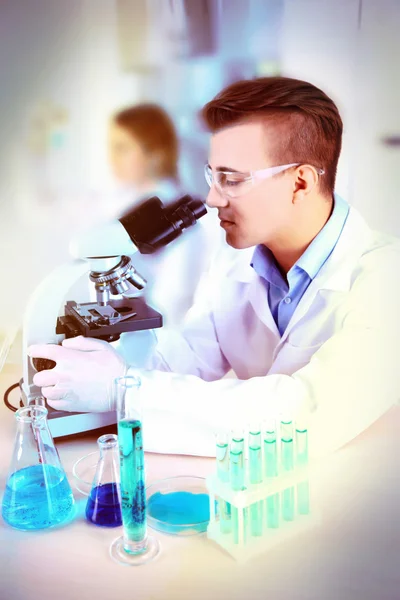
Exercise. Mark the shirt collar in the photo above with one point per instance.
(323, 244)
(316, 254)
(264, 264)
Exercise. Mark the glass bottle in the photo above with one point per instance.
(37, 493)
(134, 547)
(104, 504)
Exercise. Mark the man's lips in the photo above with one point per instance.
(226, 224)
(224, 220)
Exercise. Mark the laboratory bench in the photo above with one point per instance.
(354, 553)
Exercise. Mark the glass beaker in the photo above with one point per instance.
(135, 547)
(37, 493)
(103, 507)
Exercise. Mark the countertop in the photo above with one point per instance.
(354, 553)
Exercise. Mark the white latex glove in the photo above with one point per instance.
(83, 377)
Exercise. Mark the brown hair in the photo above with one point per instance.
(154, 130)
(309, 124)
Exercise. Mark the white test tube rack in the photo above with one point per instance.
(241, 544)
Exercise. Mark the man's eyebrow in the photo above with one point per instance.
(228, 169)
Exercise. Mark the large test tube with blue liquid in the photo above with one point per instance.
(135, 547)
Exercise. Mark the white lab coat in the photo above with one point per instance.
(336, 367)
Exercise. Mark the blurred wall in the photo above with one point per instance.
(55, 57)
(376, 173)
(319, 42)
(351, 48)
(62, 61)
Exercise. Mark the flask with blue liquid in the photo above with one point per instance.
(104, 503)
(37, 494)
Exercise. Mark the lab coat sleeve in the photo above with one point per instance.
(350, 381)
(181, 266)
(192, 350)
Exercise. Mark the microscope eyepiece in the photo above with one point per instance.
(151, 225)
(187, 212)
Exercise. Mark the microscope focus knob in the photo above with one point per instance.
(43, 364)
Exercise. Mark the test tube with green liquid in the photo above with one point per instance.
(303, 491)
(271, 470)
(287, 460)
(255, 476)
(236, 460)
(134, 547)
(223, 475)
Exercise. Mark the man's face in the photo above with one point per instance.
(262, 212)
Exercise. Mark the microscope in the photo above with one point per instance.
(96, 295)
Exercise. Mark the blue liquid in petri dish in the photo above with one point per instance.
(103, 506)
(37, 497)
(179, 512)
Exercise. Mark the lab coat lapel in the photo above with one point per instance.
(258, 297)
(335, 274)
(257, 291)
(319, 283)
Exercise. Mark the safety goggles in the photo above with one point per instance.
(234, 184)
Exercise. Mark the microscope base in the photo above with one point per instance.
(62, 423)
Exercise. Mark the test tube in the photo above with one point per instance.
(134, 547)
(223, 475)
(255, 455)
(236, 458)
(255, 475)
(303, 492)
(287, 465)
(271, 470)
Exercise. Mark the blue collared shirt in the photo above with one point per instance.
(284, 295)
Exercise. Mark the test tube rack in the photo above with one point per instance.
(273, 503)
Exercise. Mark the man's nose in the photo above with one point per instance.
(215, 199)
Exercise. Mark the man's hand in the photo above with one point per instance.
(82, 380)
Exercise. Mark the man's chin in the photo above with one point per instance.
(236, 242)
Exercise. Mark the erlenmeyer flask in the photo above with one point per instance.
(104, 504)
(37, 493)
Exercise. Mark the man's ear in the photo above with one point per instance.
(305, 182)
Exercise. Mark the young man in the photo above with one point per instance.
(304, 313)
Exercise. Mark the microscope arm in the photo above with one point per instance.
(102, 246)
(146, 228)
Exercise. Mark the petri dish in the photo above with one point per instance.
(84, 471)
(178, 505)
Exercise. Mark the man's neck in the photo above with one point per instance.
(294, 241)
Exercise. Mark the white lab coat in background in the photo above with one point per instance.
(336, 368)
